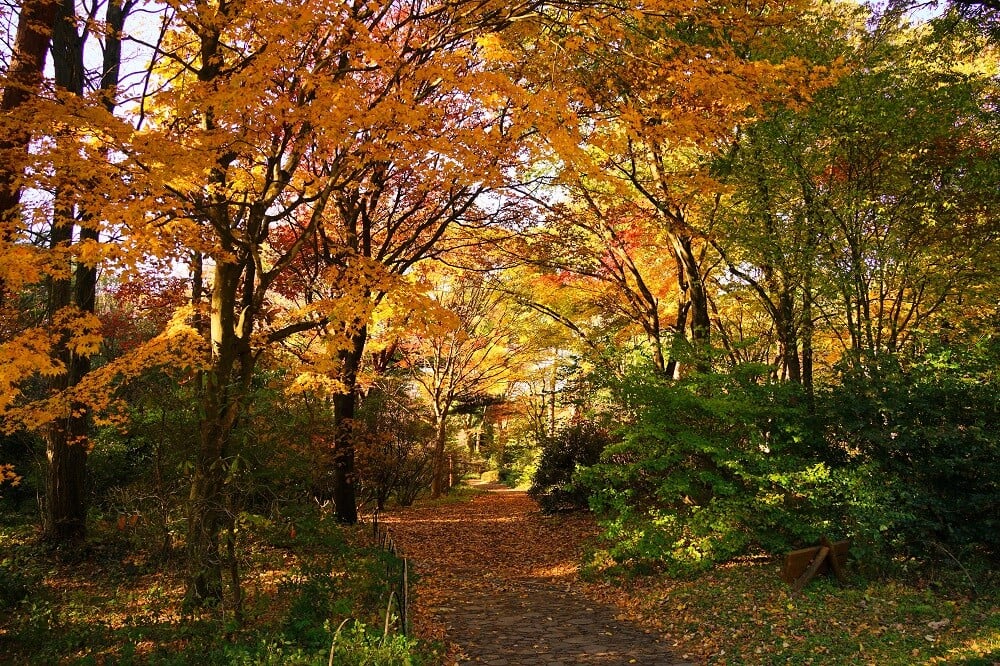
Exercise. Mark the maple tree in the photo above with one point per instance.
(66, 441)
(327, 91)
(658, 90)
(609, 248)
(43, 247)
(344, 100)
(399, 213)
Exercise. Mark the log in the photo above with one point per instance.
(809, 573)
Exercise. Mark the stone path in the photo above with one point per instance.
(501, 579)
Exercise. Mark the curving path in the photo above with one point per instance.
(500, 580)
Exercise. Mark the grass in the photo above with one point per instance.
(461, 492)
(307, 582)
(744, 614)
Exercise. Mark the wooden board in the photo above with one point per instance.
(820, 560)
(797, 561)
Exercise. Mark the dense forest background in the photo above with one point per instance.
(725, 273)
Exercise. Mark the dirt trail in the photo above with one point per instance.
(500, 580)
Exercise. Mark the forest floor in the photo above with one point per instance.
(500, 583)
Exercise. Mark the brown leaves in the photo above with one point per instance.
(481, 544)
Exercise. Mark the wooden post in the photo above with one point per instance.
(798, 561)
(406, 596)
(835, 563)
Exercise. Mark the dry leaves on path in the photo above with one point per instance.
(500, 580)
(499, 536)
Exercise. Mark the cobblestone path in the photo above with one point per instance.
(500, 579)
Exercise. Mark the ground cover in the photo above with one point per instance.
(308, 583)
(742, 613)
(118, 602)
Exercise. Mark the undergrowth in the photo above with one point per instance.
(309, 585)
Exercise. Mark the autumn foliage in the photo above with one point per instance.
(336, 251)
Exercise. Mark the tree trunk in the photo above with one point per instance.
(344, 486)
(552, 395)
(693, 288)
(220, 404)
(679, 333)
(788, 337)
(807, 336)
(66, 442)
(206, 504)
(24, 76)
(656, 338)
(344, 410)
(438, 483)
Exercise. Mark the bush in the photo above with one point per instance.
(715, 466)
(391, 456)
(577, 445)
(359, 646)
(513, 461)
(919, 445)
(898, 458)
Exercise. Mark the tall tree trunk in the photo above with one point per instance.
(65, 483)
(439, 482)
(670, 370)
(656, 339)
(788, 337)
(67, 443)
(24, 76)
(807, 336)
(344, 410)
(220, 395)
(220, 389)
(692, 285)
(552, 395)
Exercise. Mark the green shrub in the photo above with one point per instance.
(577, 445)
(355, 644)
(714, 466)
(899, 458)
(360, 646)
(513, 461)
(918, 446)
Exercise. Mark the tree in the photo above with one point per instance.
(341, 97)
(481, 355)
(66, 438)
(657, 89)
(608, 247)
(23, 78)
(880, 209)
(455, 126)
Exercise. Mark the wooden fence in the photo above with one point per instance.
(397, 576)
